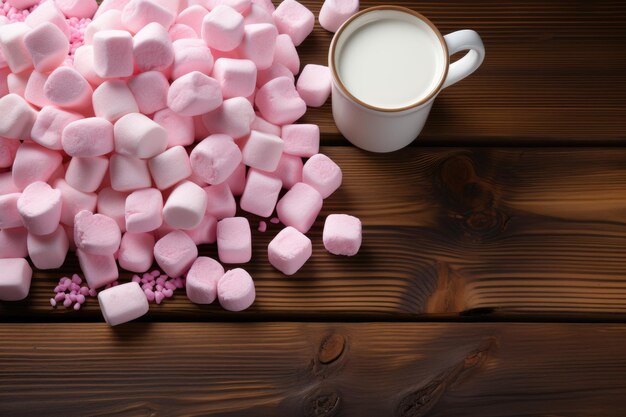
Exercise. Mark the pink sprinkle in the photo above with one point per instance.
(136, 278)
(67, 302)
(76, 279)
(262, 226)
(80, 299)
(160, 280)
(66, 285)
(59, 288)
(158, 297)
(84, 291)
(92, 292)
(73, 297)
(149, 294)
(179, 282)
(170, 285)
(274, 220)
(60, 296)
(63, 280)
(147, 286)
(74, 292)
(155, 273)
(159, 287)
(167, 293)
(53, 302)
(76, 306)
(75, 287)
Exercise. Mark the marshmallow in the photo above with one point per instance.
(112, 203)
(15, 279)
(139, 13)
(66, 88)
(235, 290)
(16, 83)
(34, 163)
(108, 20)
(123, 303)
(237, 77)
(49, 251)
(144, 210)
(191, 55)
(4, 75)
(73, 201)
(109, 5)
(232, 118)
(96, 234)
(170, 167)
(39, 206)
(152, 48)
(179, 128)
(215, 158)
(223, 28)
(48, 12)
(258, 44)
(128, 173)
(9, 215)
(289, 250)
(113, 99)
(185, 207)
(150, 91)
(220, 201)
(18, 117)
(294, 19)
(13, 47)
(201, 280)
(192, 17)
(13, 243)
(172, 5)
(205, 232)
(321, 173)
(261, 193)
(33, 92)
(262, 125)
(49, 125)
(113, 53)
(301, 139)
(334, 12)
(86, 174)
(314, 85)
(99, 270)
(275, 71)
(289, 170)
(240, 6)
(23, 4)
(194, 94)
(139, 136)
(257, 14)
(200, 131)
(48, 47)
(175, 253)
(237, 180)
(262, 151)
(286, 54)
(180, 31)
(136, 252)
(299, 207)
(81, 9)
(8, 149)
(267, 5)
(234, 240)
(88, 137)
(279, 102)
(342, 234)
(83, 63)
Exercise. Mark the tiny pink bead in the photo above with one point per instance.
(76, 279)
(179, 283)
(274, 220)
(80, 298)
(64, 280)
(147, 286)
(160, 280)
(53, 302)
(164, 276)
(149, 294)
(136, 278)
(155, 273)
(158, 297)
(73, 297)
(76, 306)
(67, 302)
(84, 291)
(58, 288)
(167, 292)
(170, 285)
(75, 287)
(66, 285)
(92, 292)
(159, 287)
(60, 296)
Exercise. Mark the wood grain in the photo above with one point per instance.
(553, 73)
(446, 231)
(322, 370)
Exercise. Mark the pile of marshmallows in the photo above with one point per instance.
(100, 155)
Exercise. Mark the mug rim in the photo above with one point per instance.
(402, 9)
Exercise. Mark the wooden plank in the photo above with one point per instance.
(310, 369)
(446, 231)
(553, 73)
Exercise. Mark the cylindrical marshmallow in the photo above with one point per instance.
(289, 250)
(113, 99)
(234, 240)
(48, 12)
(342, 234)
(128, 173)
(262, 151)
(16, 277)
(314, 84)
(83, 63)
(215, 158)
(220, 201)
(66, 88)
(194, 94)
(39, 206)
(9, 215)
(13, 48)
(223, 28)
(139, 136)
(261, 193)
(81, 9)
(49, 251)
(48, 47)
(235, 290)
(294, 19)
(86, 174)
(8, 149)
(289, 170)
(150, 91)
(191, 55)
(49, 125)
(134, 305)
(286, 54)
(334, 12)
(144, 210)
(99, 270)
(136, 252)
(111, 203)
(138, 13)
(237, 77)
(88, 137)
(232, 118)
(179, 31)
(205, 232)
(152, 48)
(73, 201)
(257, 14)
(175, 253)
(13, 243)
(299, 207)
(258, 44)
(18, 117)
(170, 167)
(113, 53)
(34, 93)
(321, 173)
(192, 16)
(237, 180)
(275, 71)
(96, 234)
(301, 139)
(185, 207)
(180, 129)
(202, 278)
(34, 163)
(108, 20)
(279, 102)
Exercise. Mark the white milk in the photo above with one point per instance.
(391, 63)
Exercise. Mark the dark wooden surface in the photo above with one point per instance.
(510, 207)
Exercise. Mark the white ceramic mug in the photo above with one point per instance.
(380, 107)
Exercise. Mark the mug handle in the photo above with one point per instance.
(464, 40)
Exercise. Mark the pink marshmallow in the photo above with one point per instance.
(191, 55)
(185, 206)
(180, 31)
(152, 48)
(9, 215)
(112, 203)
(237, 77)
(49, 125)
(128, 173)
(113, 53)
(258, 44)
(321, 173)
(22, 4)
(113, 99)
(81, 9)
(205, 232)
(294, 19)
(262, 151)
(235, 290)
(13, 243)
(299, 207)
(262, 125)
(73, 201)
(240, 6)
(86, 174)
(220, 201)
(136, 252)
(172, 5)
(13, 47)
(334, 12)
(194, 94)
(179, 128)
(289, 250)
(175, 253)
(314, 85)
(232, 118)
(139, 136)
(123, 303)
(301, 139)
(144, 210)
(192, 16)
(18, 117)
(150, 91)
(139, 13)
(289, 170)
(286, 54)
(88, 137)
(49, 251)
(39, 206)
(202, 278)
(48, 47)
(279, 102)
(215, 158)
(223, 28)
(4, 75)
(275, 71)
(16, 83)
(8, 149)
(109, 20)
(342, 234)
(199, 129)
(48, 12)
(261, 193)
(109, 5)
(257, 14)
(66, 88)
(15, 279)
(96, 234)
(34, 163)
(83, 63)
(234, 240)
(99, 270)
(170, 167)
(267, 5)
(33, 92)
(237, 180)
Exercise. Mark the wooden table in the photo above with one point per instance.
(491, 281)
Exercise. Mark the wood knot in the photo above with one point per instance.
(322, 404)
(456, 171)
(419, 402)
(331, 348)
